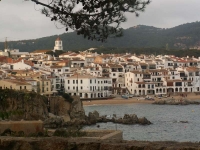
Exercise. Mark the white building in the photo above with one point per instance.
(21, 65)
(87, 86)
(146, 82)
(58, 44)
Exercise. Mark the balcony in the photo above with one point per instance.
(141, 86)
(147, 78)
(105, 72)
(158, 85)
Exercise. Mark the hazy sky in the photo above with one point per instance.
(21, 19)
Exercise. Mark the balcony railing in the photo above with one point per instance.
(146, 77)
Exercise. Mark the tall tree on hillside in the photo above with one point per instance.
(94, 19)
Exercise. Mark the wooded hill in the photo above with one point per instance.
(180, 37)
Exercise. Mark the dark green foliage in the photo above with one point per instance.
(140, 37)
(96, 19)
(9, 132)
(68, 133)
(56, 53)
(150, 51)
(67, 97)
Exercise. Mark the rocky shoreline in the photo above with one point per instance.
(172, 101)
(93, 118)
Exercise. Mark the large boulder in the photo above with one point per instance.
(92, 118)
(130, 119)
(76, 110)
(143, 121)
(54, 122)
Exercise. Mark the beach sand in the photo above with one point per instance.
(118, 100)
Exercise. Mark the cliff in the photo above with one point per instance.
(17, 105)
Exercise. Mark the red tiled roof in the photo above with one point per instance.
(40, 51)
(58, 39)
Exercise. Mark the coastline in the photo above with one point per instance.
(134, 100)
(115, 101)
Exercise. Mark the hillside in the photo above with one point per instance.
(179, 37)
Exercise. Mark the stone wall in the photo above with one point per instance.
(27, 127)
(57, 143)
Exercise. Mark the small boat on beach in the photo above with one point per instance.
(125, 96)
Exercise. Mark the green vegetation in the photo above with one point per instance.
(142, 37)
(56, 53)
(66, 96)
(150, 51)
(9, 132)
(69, 133)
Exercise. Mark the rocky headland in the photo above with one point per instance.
(55, 112)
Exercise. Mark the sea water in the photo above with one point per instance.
(166, 121)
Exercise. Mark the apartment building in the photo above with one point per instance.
(15, 84)
(87, 86)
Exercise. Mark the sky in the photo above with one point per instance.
(23, 20)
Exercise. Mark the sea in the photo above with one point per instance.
(167, 121)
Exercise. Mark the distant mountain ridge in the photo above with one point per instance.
(180, 37)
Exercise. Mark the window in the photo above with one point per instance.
(47, 83)
(81, 81)
(47, 89)
(19, 87)
(80, 94)
(59, 70)
(68, 87)
(76, 81)
(73, 87)
(24, 87)
(113, 74)
(90, 81)
(73, 81)
(90, 88)
(68, 81)
(66, 70)
(81, 87)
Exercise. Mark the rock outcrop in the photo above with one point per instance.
(171, 101)
(33, 106)
(23, 105)
(93, 117)
(76, 110)
(70, 114)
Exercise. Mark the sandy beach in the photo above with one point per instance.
(118, 100)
